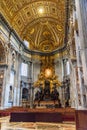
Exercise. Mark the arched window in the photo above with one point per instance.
(26, 43)
(24, 69)
(68, 68)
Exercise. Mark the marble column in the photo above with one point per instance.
(79, 73)
(31, 94)
(31, 83)
(7, 81)
(17, 80)
(81, 12)
(64, 69)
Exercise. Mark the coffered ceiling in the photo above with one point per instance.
(40, 22)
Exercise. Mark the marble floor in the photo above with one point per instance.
(6, 125)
